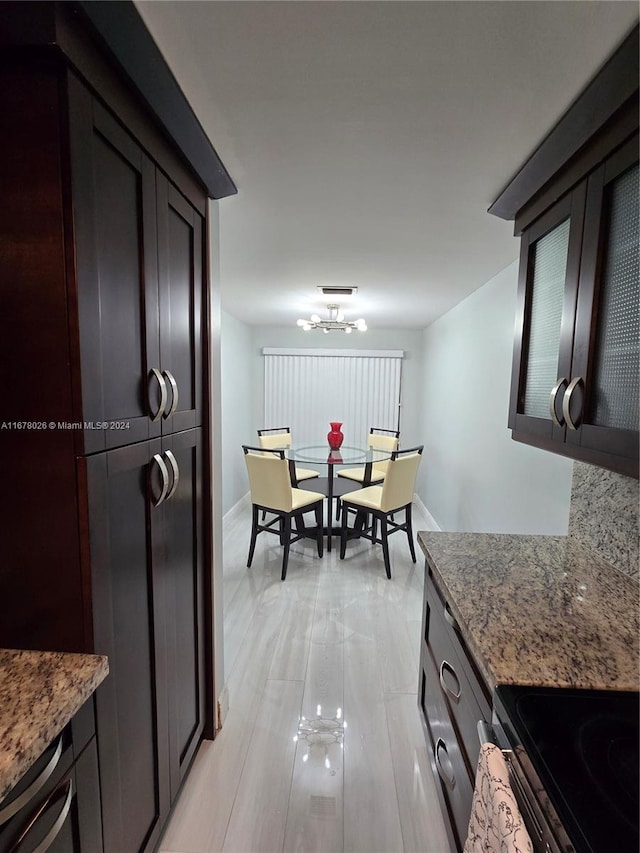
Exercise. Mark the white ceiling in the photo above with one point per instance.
(368, 139)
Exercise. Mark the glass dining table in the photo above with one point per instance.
(330, 486)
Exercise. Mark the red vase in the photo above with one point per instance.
(335, 437)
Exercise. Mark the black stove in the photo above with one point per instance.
(577, 753)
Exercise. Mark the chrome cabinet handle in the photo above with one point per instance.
(174, 392)
(552, 401)
(165, 479)
(450, 618)
(163, 394)
(446, 665)
(51, 836)
(30, 792)
(566, 402)
(176, 472)
(449, 781)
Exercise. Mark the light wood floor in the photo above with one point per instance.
(322, 748)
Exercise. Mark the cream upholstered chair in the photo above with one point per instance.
(274, 439)
(379, 439)
(271, 490)
(381, 502)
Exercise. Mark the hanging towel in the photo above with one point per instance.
(496, 825)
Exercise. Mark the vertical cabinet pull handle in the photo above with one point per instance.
(154, 372)
(174, 392)
(449, 781)
(30, 792)
(446, 665)
(566, 402)
(552, 401)
(164, 473)
(51, 836)
(176, 472)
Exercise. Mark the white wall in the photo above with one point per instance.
(474, 477)
(238, 396)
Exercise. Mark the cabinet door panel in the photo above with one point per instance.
(116, 259)
(547, 292)
(180, 270)
(184, 586)
(125, 535)
(607, 348)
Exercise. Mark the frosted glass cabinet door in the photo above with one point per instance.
(549, 264)
(606, 366)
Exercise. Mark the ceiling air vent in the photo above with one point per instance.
(337, 291)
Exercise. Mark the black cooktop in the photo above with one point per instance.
(584, 746)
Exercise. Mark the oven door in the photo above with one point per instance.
(574, 758)
(533, 804)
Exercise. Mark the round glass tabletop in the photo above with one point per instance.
(321, 454)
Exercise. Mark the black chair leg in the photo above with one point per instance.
(286, 528)
(299, 522)
(338, 508)
(319, 520)
(410, 532)
(385, 546)
(343, 531)
(254, 534)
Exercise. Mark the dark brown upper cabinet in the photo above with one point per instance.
(576, 360)
(139, 308)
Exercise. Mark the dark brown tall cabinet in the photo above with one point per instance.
(104, 411)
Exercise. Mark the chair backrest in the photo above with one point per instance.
(399, 483)
(382, 440)
(269, 479)
(274, 438)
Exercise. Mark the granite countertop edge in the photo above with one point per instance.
(40, 692)
(606, 661)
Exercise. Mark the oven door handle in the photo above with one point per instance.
(485, 733)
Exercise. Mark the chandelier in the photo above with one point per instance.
(336, 321)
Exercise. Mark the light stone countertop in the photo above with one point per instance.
(39, 694)
(539, 610)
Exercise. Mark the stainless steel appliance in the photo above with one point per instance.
(573, 764)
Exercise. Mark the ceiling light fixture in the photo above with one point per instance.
(336, 321)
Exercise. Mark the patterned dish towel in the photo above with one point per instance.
(496, 825)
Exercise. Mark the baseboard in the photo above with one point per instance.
(431, 522)
(242, 504)
(222, 708)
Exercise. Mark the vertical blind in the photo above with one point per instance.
(305, 389)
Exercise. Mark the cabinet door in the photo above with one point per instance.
(606, 365)
(180, 270)
(184, 595)
(128, 607)
(547, 293)
(114, 223)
